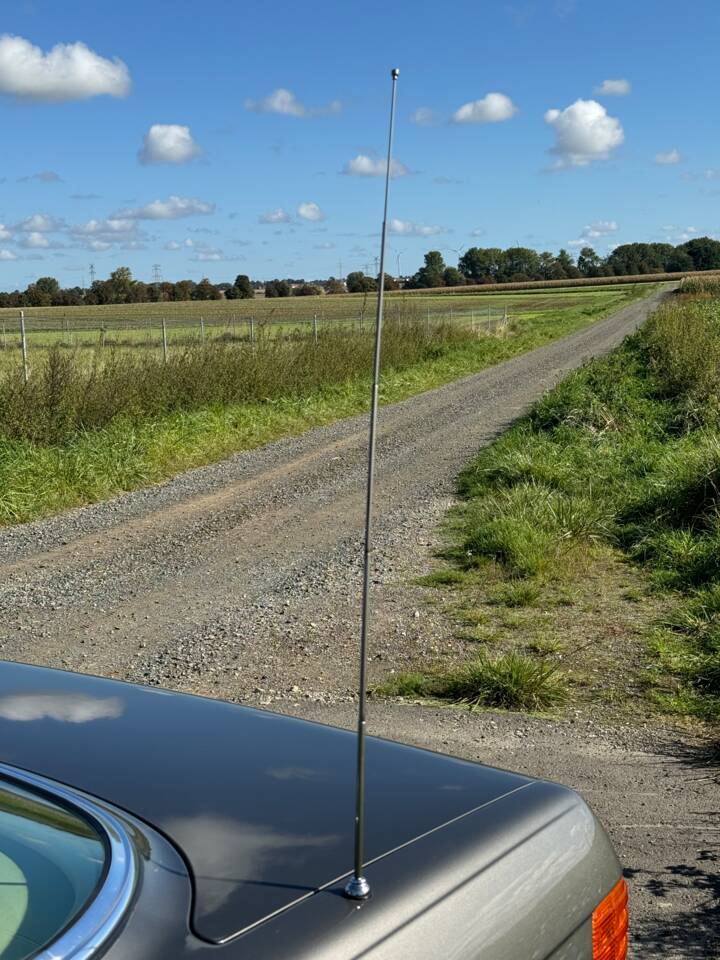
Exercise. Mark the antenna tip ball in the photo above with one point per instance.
(395, 73)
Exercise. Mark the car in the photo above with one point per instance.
(142, 824)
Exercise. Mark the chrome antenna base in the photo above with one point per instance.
(357, 888)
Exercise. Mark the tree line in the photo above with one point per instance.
(478, 265)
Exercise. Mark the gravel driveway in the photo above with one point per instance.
(242, 580)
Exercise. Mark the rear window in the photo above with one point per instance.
(52, 862)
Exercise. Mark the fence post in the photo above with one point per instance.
(472, 320)
(165, 345)
(489, 321)
(23, 340)
(315, 328)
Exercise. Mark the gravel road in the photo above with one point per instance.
(242, 580)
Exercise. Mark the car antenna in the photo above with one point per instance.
(357, 887)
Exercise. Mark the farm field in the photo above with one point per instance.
(191, 322)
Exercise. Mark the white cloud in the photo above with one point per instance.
(171, 209)
(4, 232)
(174, 245)
(285, 102)
(595, 231)
(275, 216)
(40, 223)
(613, 88)
(493, 108)
(324, 246)
(72, 708)
(424, 116)
(477, 233)
(584, 132)
(712, 173)
(670, 157)
(7, 255)
(366, 166)
(310, 211)
(168, 143)
(407, 228)
(599, 228)
(112, 226)
(209, 254)
(35, 241)
(70, 71)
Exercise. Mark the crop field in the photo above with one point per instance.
(151, 325)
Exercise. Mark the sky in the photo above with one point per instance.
(222, 138)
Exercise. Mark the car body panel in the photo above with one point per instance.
(464, 860)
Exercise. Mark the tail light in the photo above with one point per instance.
(610, 925)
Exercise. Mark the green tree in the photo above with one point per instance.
(307, 290)
(244, 287)
(431, 274)
(520, 261)
(452, 277)
(205, 291)
(335, 286)
(680, 261)
(704, 253)
(357, 282)
(589, 262)
(121, 281)
(481, 265)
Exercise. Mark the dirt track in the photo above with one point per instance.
(242, 580)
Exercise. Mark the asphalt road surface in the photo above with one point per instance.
(242, 580)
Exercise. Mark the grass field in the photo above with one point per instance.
(140, 325)
(92, 423)
(586, 554)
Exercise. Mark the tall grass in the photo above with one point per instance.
(71, 393)
(626, 450)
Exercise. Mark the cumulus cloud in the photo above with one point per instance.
(584, 133)
(183, 245)
(285, 102)
(40, 223)
(424, 116)
(668, 158)
(599, 228)
(168, 143)
(70, 71)
(613, 88)
(5, 234)
(209, 255)
(113, 226)
(310, 211)
(35, 241)
(7, 255)
(171, 209)
(493, 108)
(275, 216)
(594, 231)
(364, 165)
(407, 228)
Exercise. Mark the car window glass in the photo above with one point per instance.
(52, 861)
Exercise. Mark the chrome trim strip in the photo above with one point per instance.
(102, 915)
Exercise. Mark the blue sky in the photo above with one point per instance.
(633, 160)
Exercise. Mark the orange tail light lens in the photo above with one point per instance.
(610, 925)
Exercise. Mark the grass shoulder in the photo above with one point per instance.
(588, 535)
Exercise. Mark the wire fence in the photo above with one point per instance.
(26, 335)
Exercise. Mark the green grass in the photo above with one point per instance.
(84, 431)
(510, 681)
(625, 452)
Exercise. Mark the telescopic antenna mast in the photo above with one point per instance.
(357, 887)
